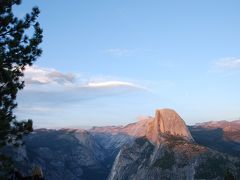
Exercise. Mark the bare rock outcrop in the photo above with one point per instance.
(167, 121)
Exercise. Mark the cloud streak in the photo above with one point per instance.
(230, 63)
(113, 84)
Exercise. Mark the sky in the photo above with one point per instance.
(110, 62)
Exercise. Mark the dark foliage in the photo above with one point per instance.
(141, 141)
(166, 161)
(229, 176)
(17, 50)
(214, 167)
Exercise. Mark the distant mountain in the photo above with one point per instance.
(222, 136)
(165, 121)
(230, 129)
(160, 147)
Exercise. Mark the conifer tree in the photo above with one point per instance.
(18, 48)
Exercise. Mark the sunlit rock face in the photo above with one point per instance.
(167, 121)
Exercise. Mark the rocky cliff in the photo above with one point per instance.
(167, 151)
(174, 159)
(167, 121)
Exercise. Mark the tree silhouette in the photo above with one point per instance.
(17, 50)
(228, 176)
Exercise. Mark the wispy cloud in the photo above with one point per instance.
(38, 109)
(118, 51)
(50, 86)
(229, 63)
(49, 91)
(37, 75)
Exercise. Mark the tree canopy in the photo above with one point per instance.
(18, 48)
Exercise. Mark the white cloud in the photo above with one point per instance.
(228, 63)
(49, 91)
(37, 75)
(53, 79)
(111, 84)
(46, 86)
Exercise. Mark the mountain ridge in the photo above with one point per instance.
(152, 142)
(165, 121)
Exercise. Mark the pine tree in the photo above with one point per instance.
(17, 50)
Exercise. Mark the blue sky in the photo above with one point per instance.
(109, 62)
